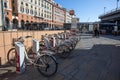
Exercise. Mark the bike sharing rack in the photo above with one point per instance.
(20, 60)
(20, 56)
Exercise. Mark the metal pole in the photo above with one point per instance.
(1, 15)
(117, 4)
(104, 10)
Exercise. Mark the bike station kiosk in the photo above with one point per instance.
(20, 57)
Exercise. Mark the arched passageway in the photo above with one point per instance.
(15, 23)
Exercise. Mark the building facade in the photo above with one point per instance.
(68, 17)
(58, 16)
(7, 13)
(34, 14)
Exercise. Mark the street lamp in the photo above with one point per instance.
(117, 4)
(104, 10)
(1, 15)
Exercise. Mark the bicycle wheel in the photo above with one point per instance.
(63, 51)
(50, 67)
(11, 57)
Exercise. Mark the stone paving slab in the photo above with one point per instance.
(92, 59)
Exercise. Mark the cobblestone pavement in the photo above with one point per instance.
(92, 59)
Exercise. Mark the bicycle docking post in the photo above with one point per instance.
(20, 62)
(35, 47)
(51, 42)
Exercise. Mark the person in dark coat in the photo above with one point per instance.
(96, 32)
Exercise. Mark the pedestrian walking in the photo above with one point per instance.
(96, 32)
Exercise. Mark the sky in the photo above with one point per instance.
(89, 10)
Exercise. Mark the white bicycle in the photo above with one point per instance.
(46, 64)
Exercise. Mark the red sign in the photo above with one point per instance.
(71, 12)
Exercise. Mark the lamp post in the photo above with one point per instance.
(1, 15)
(104, 10)
(117, 4)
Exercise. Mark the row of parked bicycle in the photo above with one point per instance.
(60, 44)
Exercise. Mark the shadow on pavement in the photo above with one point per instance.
(101, 62)
(111, 37)
(87, 37)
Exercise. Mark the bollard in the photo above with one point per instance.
(20, 60)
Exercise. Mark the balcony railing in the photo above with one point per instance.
(110, 12)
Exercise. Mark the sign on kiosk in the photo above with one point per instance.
(20, 63)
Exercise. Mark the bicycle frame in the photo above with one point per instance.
(36, 58)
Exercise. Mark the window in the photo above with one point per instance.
(5, 5)
(39, 12)
(35, 2)
(12, 1)
(26, 4)
(22, 9)
(7, 13)
(47, 16)
(38, 3)
(44, 15)
(27, 10)
(13, 8)
(35, 13)
(31, 11)
(42, 5)
(45, 6)
(22, 3)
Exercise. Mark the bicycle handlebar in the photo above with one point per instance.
(22, 37)
(28, 36)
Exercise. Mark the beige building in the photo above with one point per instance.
(68, 17)
(34, 14)
(58, 16)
